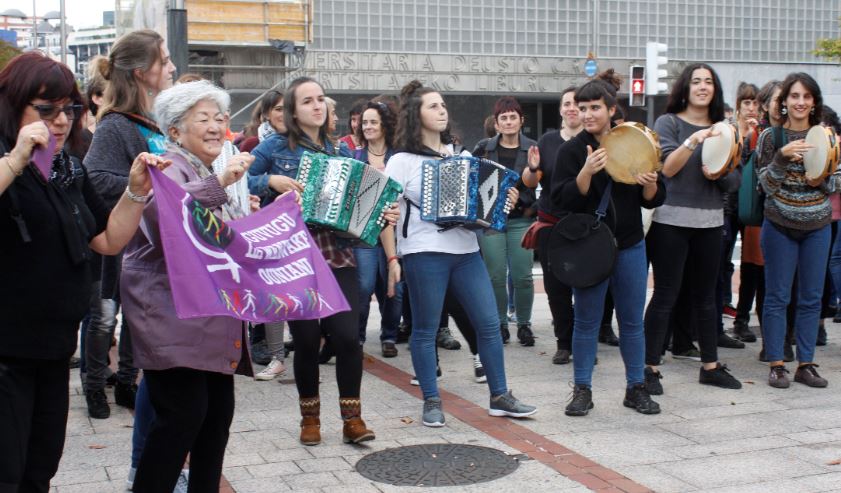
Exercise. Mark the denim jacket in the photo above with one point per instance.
(274, 157)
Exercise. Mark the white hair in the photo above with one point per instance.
(173, 104)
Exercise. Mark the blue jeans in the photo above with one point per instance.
(428, 275)
(628, 284)
(783, 257)
(835, 269)
(372, 270)
(144, 417)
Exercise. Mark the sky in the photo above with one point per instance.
(80, 13)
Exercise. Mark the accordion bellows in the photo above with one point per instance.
(345, 195)
(466, 191)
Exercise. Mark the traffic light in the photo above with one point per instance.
(655, 68)
(636, 95)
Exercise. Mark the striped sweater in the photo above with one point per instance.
(790, 202)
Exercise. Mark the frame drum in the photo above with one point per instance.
(822, 160)
(722, 152)
(632, 148)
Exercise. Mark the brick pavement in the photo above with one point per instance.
(706, 439)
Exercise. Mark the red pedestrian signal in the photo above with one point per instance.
(638, 86)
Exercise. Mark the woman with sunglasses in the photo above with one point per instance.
(51, 220)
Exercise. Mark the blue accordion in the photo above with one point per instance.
(466, 191)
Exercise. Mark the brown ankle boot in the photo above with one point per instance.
(354, 430)
(310, 421)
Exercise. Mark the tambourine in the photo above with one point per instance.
(632, 149)
(822, 159)
(721, 153)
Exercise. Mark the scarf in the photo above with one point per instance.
(230, 209)
(265, 130)
(75, 232)
(239, 190)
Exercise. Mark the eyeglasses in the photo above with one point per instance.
(51, 111)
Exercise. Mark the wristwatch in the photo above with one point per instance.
(689, 145)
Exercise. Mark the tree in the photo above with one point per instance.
(7, 52)
(829, 49)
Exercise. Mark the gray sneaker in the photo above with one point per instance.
(508, 405)
(433, 416)
(132, 472)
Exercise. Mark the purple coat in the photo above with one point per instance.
(160, 339)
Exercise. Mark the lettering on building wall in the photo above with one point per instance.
(462, 73)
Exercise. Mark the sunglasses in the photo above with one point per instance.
(51, 111)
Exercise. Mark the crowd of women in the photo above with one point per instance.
(93, 198)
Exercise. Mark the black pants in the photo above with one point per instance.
(33, 420)
(671, 247)
(681, 323)
(102, 326)
(343, 331)
(193, 413)
(751, 284)
(559, 294)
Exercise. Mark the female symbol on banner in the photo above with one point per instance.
(591, 67)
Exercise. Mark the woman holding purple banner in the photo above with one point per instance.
(51, 219)
(188, 364)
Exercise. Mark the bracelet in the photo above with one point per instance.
(689, 145)
(393, 257)
(140, 199)
(9, 164)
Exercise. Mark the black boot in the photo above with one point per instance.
(524, 334)
(742, 331)
(607, 336)
(821, 334)
(503, 330)
(125, 394)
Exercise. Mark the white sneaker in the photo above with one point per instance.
(183, 484)
(274, 370)
(479, 370)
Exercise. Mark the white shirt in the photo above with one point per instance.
(423, 236)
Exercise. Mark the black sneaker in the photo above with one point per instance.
(725, 340)
(98, 407)
(743, 332)
(561, 357)
(403, 333)
(582, 401)
(444, 339)
(788, 353)
(503, 330)
(638, 398)
(606, 335)
(652, 381)
(525, 335)
(821, 335)
(125, 394)
(389, 349)
(719, 377)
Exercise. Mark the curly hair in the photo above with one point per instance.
(409, 135)
(811, 85)
(388, 119)
(679, 97)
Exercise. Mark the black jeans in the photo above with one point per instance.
(671, 247)
(100, 330)
(343, 331)
(33, 420)
(559, 294)
(724, 288)
(193, 413)
(751, 285)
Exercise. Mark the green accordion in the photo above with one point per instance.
(346, 196)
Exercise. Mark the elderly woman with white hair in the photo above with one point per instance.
(188, 364)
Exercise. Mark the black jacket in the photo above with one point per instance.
(623, 214)
(487, 148)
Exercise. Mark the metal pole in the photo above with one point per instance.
(177, 36)
(34, 28)
(63, 34)
(650, 120)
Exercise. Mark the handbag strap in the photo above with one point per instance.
(601, 212)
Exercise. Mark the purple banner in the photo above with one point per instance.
(262, 268)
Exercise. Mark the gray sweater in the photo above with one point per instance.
(689, 187)
(115, 145)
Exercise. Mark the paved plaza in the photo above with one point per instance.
(706, 439)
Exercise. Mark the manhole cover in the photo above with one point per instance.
(444, 464)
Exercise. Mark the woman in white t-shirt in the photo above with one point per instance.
(433, 258)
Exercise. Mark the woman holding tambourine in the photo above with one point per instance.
(689, 224)
(796, 232)
(582, 187)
